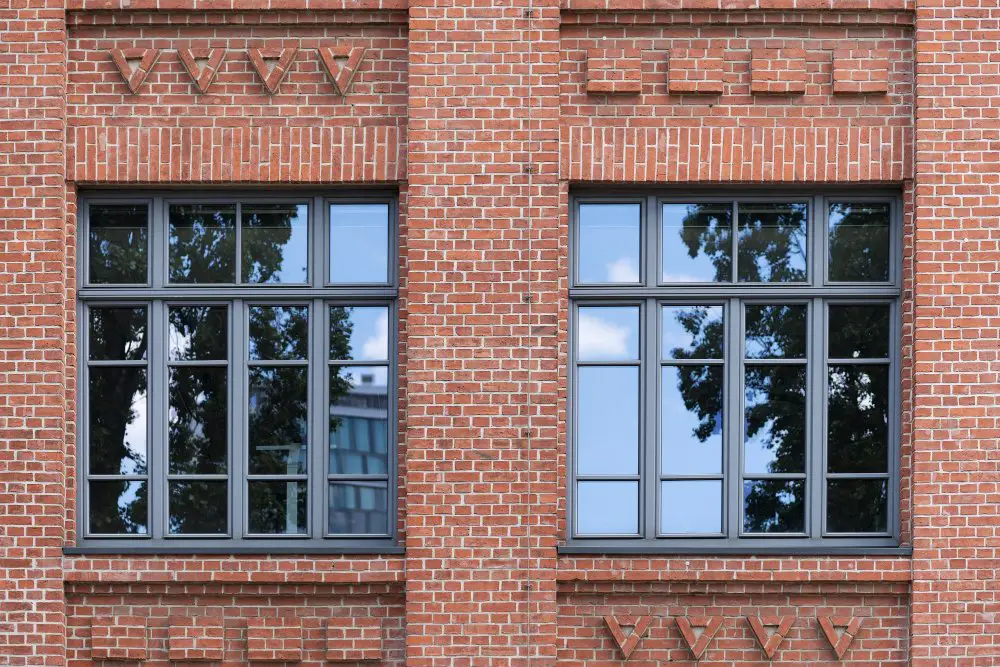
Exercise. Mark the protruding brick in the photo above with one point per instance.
(770, 641)
(354, 639)
(627, 641)
(698, 632)
(274, 639)
(135, 65)
(196, 638)
(841, 641)
(614, 70)
(202, 73)
(271, 75)
(778, 71)
(857, 71)
(118, 638)
(341, 64)
(696, 70)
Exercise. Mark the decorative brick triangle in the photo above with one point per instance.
(144, 59)
(840, 643)
(769, 643)
(271, 77)
(341, 63)
(627, 642)
(688, 626)
(203, 76)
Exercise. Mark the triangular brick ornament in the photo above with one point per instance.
(135, 65)
(341, 64)
(698, 631)
(627, 641)
(270, 76)
(202, 65)
(840, 642)
(770, 641)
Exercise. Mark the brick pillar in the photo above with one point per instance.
(33, 395)
(956, 589)
(484, 267)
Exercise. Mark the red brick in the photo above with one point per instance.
(353, 639)
(118, 638)
(696, 70)
(778, 71)
(196, 638)
(614, 71)
(860, 71)
(274, 639)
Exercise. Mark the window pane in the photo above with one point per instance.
(277, 508)
(607, 508)
(776, 332)
(198, 332)
(859, 332)
(117, 333)
(202, 243)
(859, 242)
(359, 420)
(772, 243)
(858, 419)
(198, 420)
(117, 403)
(275, 243)
(692, 332)
(279, 332)
(608, 420)
(774, 506)
(199, 507)
(118, 507)
(359, 333)
(774, 419)
(697, 243)
(278, 432)
(359, 243)
(691, 420)
(608, 333)
(609, 243)
(359, 508)
(119, 238)
(691, 506)
(857, 505)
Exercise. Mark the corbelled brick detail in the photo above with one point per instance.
(860, 71)
(769, 639)
(696, 70)
(353, 639)
(274, 639)
(135, 65)
(196, 638)
(118, 638)
(614, 70)
(778, 71)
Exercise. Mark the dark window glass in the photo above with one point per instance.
(118, 507)
(279, 332)
(117, 420)
(692, 506)
(359, 333)
(692, 332)
(277, 507)
(607, 508)
(858, 418)
(359, 420)
(198, 419)
(691, 420)
(275, 243)
(776, 332)
(359, 243)
(609, 243)
(697, 243)
(857, 505)
(117, 333)
(278, 411)
(202, 243)
(774, 438)
(859, 242)
(608, 334)
(199, 507)
(358, 508)
(198, 333)
(608, 420)
(859, 332)
(118, 244)
(774, 506)
(772, 243)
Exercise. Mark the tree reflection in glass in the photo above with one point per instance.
(202, 243)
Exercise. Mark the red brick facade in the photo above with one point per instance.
(483, 115)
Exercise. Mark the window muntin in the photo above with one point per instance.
(205, 377)
(750, 402)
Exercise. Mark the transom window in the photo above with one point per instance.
(238, 376)
(735, 371)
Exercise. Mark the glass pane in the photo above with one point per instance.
(198, 332)
(278, 431)
(772, 243)
(691, 506)
(359, 333)
(607, 508)
(857, 505)
(692, 332)
(359, 243)
(697, 243)
(607, 439)
(118, 507)
(119, 240)
(117, 403)
(277, 508)
(359, 508)
(359, 420)
(858, 419)
(691, 420)
(774, 419)
(198, 419)
(275, 243)
(776, 332)
(279, 332)
(117, 333)
(199, 507)
(774, 506)
(608, 333)
(859, 332)
(202, 243)
(609, 243)
(859, 242)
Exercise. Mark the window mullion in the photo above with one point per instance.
(816, 406)
(650, 471)
(319, 411)
(733, 415)
(237, 436)
(158, 395)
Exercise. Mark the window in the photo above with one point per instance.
(735, 372)
(238, 375)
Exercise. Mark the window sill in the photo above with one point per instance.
(706, 550)
(375, 549)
